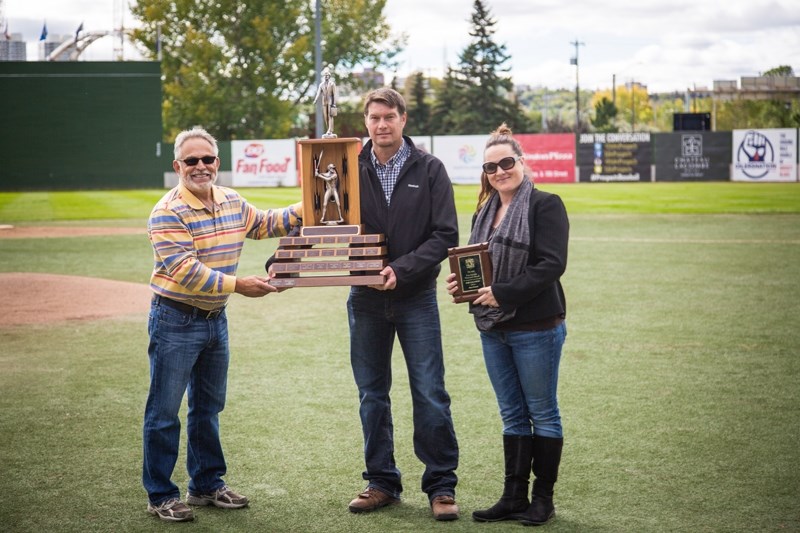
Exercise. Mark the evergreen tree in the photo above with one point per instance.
(480, 95)
(450, 101)
(419, 110)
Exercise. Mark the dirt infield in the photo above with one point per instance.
(28, 298)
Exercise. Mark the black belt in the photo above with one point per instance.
(189, 309)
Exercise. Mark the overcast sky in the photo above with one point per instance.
(668, 45)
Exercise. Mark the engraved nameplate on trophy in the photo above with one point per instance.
(472, 266)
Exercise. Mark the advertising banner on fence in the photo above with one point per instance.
(766, 155)
(692, 156)
(549, 156)
(614, 156)
(264, 163)
(462, 156)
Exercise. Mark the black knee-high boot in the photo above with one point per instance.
(518, 451)
(546, 458)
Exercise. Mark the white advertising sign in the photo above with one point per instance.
(766, 155)
(264, 163)
(462, 156)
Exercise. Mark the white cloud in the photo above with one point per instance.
(668, 45)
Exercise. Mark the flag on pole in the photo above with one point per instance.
(78, 31)
(6, 35)
(44, 32)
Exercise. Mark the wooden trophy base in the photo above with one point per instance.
(329, 256)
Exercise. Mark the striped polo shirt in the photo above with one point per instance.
(196, 251)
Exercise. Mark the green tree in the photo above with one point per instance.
(783, 70)
(451, 99)
(419, 110)
(483, 94)
(634, 109)
(744, 114)
(245, 69)
(604, 113)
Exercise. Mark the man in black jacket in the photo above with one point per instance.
(407, 195)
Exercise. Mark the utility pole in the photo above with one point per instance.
(574, 61)
(119, 31)
(318, 67)
(614, 89)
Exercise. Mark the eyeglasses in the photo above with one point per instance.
(507, 163)
(192, 161)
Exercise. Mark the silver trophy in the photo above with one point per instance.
(327, 90)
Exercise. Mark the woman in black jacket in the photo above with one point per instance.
(520, 317)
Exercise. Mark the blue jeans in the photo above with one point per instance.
(375, 318)
(186, 353)
(523, 369)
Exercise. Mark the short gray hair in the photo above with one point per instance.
(194, 133)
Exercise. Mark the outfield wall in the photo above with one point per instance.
(80, 125)
(97, 125)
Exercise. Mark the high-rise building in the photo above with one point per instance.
(13, 49)
(52, 42)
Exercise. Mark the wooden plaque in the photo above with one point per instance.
(472, 266)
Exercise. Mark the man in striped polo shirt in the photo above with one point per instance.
(197, 231)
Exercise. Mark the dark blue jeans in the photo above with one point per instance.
(375, 319)
(523, 369)
(186, 354)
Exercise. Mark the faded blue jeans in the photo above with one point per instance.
(375, 319)
(523, 370)
(187, 354)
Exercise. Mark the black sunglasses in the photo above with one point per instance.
(192, 161)
(507, 163)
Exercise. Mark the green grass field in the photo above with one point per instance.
(679, 388)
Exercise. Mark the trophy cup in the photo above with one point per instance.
(472, 266)
(331, 249)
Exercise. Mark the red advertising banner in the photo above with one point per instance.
(549, 156)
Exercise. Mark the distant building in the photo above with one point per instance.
(13, 49)
(53, 42)
(758, 88)
(370, 78)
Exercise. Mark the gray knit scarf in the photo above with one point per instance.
(508, 247)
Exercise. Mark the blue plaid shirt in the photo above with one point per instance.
(388, 173)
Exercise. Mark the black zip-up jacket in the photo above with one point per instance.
(420, 224)
(536, 293)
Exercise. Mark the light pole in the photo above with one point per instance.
(574, 61)
(318, 66)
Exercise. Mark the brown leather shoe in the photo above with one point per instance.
(444, 508)
(370, 500)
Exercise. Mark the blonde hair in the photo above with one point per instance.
(502, 135)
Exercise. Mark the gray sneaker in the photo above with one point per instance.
(222, 497)
(172, 510)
